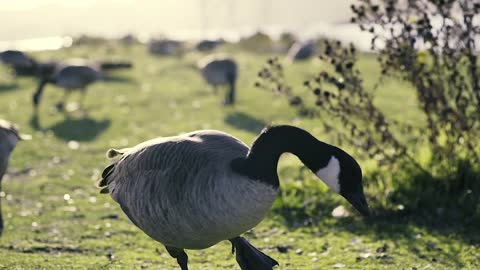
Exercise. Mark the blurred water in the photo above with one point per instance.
(44, 24)
(343, 32)
(41, 24)
(37, 44)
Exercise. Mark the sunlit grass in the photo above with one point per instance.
(55, 218)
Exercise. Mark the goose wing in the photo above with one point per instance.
(76, 76)
(174, 159)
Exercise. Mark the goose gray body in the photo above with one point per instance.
(6, 148)
(301, 51)
(218, 71)
(9, 137)
(182, 192)
(71, 75)
(16, 58)
(208, 45)
(75, 73)
(165, 47)
(76, 77)
(19, 61)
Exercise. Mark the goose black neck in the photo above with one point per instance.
(273, 142)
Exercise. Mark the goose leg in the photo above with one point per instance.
(250, 258)
(61, 105)
(230, 97)
(180, 255)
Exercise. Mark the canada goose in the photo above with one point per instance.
(19, 61)
(9, 138)
(219, 71)
(68, 77)
(74, 74)
(301, 51)
(194, 190)
(208, 45)
(165, 47)
(129, 39)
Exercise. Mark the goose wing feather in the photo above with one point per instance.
(177, 158)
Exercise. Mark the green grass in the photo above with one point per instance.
(47, 229)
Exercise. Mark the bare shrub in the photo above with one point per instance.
(430, 45)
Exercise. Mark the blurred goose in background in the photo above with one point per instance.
(165, 47)
(106, 66)
(301, 50)
(74, 74)
(208, 45)
(70, 77)
(218, 71)
(9, 137)
(194, 190)
(21, 63)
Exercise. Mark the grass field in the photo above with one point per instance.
(56, 219)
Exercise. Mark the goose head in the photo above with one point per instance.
(342, 174)
(336, 168)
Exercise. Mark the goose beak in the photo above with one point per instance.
(357, 199)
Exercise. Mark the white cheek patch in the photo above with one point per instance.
(329, 174)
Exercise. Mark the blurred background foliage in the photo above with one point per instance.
(407, 108)
(435, 154)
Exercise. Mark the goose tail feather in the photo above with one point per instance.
(103, 183)
(112, 153)
(108, 171)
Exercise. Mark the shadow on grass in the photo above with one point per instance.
(426, 206)
(404, 230)
(78, 129)
(244, 121)
(118, 79)
(8, 87)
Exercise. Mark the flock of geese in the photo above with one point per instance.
(194, 190)
(74, 74)
(78, 74)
